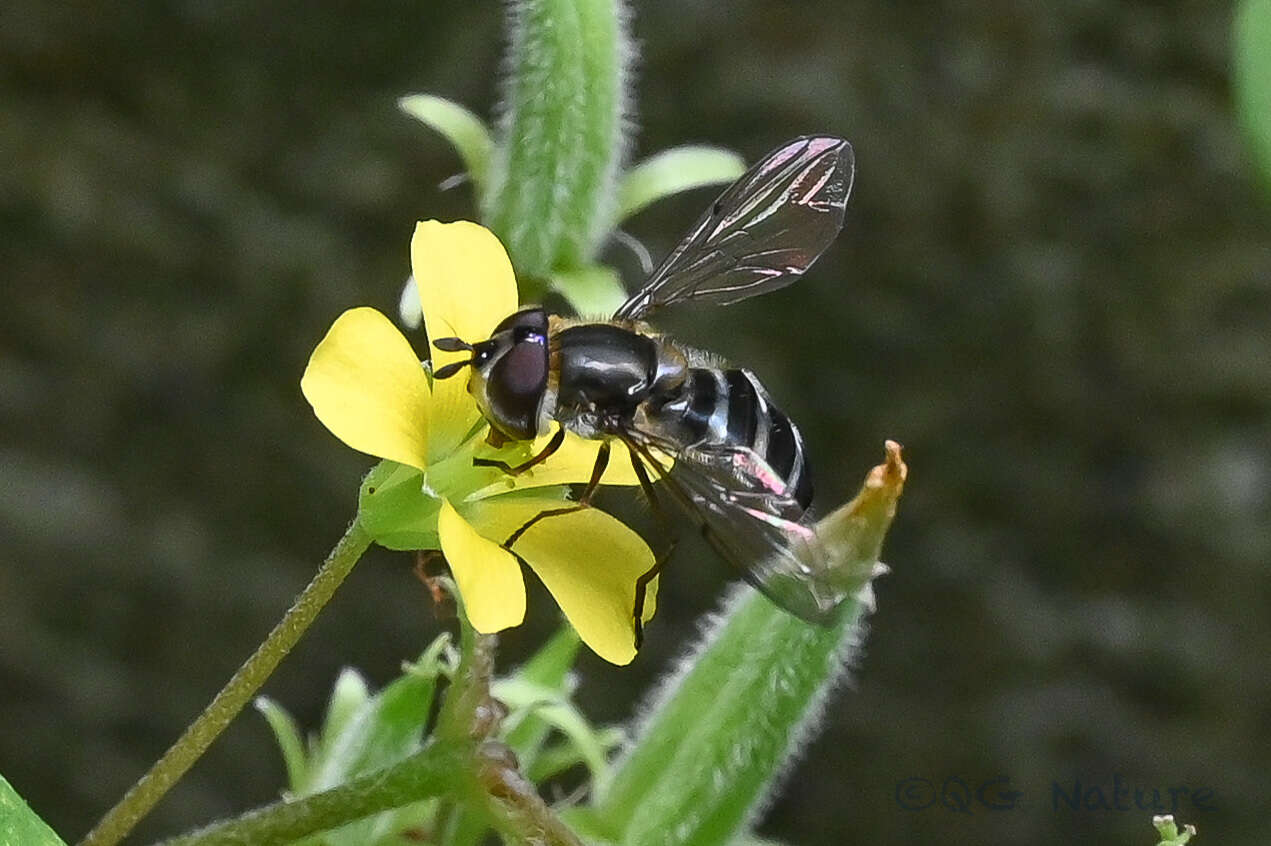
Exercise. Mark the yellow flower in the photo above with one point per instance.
(367, 386)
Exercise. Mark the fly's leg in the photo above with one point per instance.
(642, 583)
(548, 452)
(646, 485)
(641, 591)
(597, 470)
(584, 501)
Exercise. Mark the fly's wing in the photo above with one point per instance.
(737, 502)
(761, 234)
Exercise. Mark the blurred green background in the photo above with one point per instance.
(1053, 288)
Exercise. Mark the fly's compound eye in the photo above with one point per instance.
(532, 318)
(517, 383)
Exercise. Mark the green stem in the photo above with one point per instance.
(433, 770)
(465, 826)
(470, 715)
(143, 795)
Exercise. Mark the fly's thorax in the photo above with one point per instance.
(604, 371)
(510, 375)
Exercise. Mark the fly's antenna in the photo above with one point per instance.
(451, 345)
(451, 369)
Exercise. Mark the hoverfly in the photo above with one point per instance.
(707, 433)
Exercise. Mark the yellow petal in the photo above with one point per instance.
(489, 577)
(588, 560)
(366, 385)
(498, 517)
(572, 464)
(465, 279)
(466, 286)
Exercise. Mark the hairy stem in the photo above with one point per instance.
(152, 786)
(431, 771)
(471, 715)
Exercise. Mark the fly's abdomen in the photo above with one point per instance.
(785, 454)
(731, 408)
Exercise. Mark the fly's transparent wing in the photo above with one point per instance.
(761, 234)
(737, 502)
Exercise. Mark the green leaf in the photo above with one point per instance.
(720, 732)
(586, 823)
(1253, 79)
(593, 291)
(21, 825)
(558, 757)
(549, 706)
(394, 509)
(675, 170)
(550, 666)
(287, 733)
(348, 696)
(379, 731)
(526, 730)
(560, 138)
(385, 729)
(464, 130)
